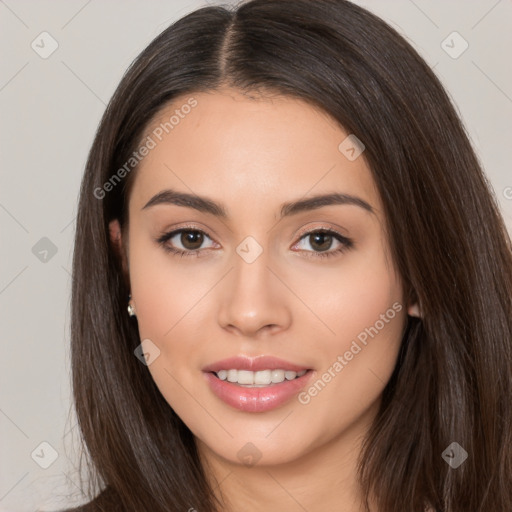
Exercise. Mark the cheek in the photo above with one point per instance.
(164, 292)
(366, 303)
(363, 316)
(169, 313)
(172, 312)
(353, 297)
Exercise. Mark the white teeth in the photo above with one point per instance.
(277, 376)
(245, 377)
(262, 377)
(259, 378)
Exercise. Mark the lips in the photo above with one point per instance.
(256, 399)
(253, 364)
(260, 399)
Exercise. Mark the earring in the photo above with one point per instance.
(415, 310)
(131, 309)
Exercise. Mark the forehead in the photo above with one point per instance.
(229, 144)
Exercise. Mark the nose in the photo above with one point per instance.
(253, 299)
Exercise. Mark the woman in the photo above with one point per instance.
(317, 277)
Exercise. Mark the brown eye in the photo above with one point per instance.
(184, 242)
(191, 240)
(324, 243)
(320, 241)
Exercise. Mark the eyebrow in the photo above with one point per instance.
(207, 205)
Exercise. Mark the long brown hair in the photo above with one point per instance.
(453, 378)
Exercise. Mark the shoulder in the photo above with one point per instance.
(106, 501)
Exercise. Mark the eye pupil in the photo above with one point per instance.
(321, 239)
(193, 237)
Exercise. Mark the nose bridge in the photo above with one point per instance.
(253, 297)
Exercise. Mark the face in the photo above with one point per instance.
(311, 283)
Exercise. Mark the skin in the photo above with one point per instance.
(252, 154)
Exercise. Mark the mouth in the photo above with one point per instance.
(256, 385)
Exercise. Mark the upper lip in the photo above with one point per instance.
(253, 364)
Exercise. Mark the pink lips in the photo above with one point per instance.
(254, 365)
(257, 399)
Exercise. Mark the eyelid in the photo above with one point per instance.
(303, 231)
(345, 242)
(167, 234)
(309, 229)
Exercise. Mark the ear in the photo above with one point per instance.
(414, 310)
(117, 242)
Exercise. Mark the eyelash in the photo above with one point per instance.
(346, 243)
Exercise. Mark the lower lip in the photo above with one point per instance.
(259, 399)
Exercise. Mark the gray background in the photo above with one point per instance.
(50, 108)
